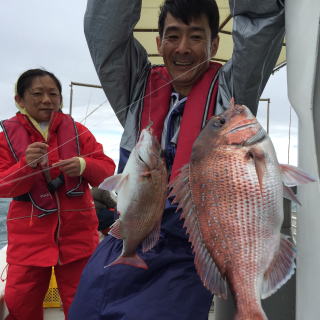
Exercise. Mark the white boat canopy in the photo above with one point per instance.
(147, 29)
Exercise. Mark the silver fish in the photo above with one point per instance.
(142, 191)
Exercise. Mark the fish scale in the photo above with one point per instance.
(231, 199)
(142, 191)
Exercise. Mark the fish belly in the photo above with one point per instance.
(239, 220)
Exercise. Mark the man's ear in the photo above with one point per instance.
(214, 46)
(159, 45)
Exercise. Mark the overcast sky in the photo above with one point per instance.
(49, 34)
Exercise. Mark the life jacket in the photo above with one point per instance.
(198, 109)
(18, 132)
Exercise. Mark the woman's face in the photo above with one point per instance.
(41, 98)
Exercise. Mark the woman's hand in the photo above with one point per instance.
(70, 167)
(36, 154)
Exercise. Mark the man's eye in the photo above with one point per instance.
(196, 37)
(36, 94)
(172, 37)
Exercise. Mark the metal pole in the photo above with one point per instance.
(268, 111)
(71, 94)
(81, 85)
(302, 22)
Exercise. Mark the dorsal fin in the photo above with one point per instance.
(206, 268)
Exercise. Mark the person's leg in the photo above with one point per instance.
(26, 287)
(170, 289)
(68, 277)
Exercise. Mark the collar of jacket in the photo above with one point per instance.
(198, 109)
(20, 132)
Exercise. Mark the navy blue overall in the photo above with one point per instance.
(170, 289)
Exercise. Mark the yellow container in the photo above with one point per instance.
(52, 298)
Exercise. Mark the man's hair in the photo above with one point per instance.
(187, 10)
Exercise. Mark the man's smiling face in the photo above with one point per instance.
(186, 50)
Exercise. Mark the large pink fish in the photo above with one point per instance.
(231, 195)
(142, 191)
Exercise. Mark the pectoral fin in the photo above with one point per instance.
(259, 159)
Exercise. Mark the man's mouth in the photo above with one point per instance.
(182, 63)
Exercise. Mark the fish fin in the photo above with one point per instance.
(258, 157)
(151, 240)
(114, 182)
(115, 229)
(281, 268)
(293, 176)
(206, 268)
(134, 261)
(180, 185)
(209, 273)
(289, 194)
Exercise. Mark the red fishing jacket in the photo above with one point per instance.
(69, 231)
(198, 109)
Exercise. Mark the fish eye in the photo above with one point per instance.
(219, 122)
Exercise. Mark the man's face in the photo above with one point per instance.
(186, 50)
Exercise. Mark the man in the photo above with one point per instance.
(178, 99)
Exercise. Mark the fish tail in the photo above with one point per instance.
(134, 261)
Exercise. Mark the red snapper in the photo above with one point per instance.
(231, 195)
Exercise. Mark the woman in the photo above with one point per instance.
(47, 162)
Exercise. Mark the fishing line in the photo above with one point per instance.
(149, 94)
(94, 110)
(43, 170)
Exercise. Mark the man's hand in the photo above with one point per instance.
(36, 154)
(70, 167)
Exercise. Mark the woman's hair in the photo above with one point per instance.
(186, 10)
(25, 80)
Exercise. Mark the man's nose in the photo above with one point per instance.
(183, 46)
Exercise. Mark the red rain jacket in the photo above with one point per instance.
(60, 237)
